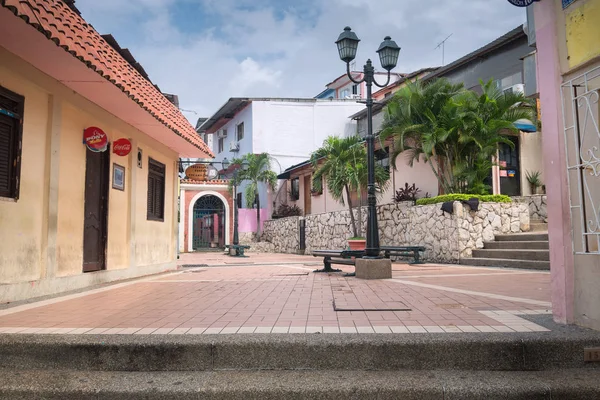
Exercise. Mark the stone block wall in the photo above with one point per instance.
(447, 237)
(278, 236)
(537, 205)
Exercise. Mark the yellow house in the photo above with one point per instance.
(88, 157)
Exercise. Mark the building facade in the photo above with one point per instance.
(289, 130)
(71, 214)
(567, 35)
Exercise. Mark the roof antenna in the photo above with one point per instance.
(442, 44)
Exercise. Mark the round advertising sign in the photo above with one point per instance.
(121, 147)
(95, 139)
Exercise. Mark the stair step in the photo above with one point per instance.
(291, 385)
(513, 254)
(507, 263)
(447, 351)
(520, 237)
(534, 245)
(538, 227)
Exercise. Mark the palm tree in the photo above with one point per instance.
(454, 128)
(421, 119)
(342, 163)
(257, 170)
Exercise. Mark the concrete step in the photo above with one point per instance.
(447, 351)
(513, 254)
(300, 385)
(538, 227)
(526, 237)
(506, 263)
(534, 245)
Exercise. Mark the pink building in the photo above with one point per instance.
(567, 35)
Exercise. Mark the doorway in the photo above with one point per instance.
(96, 210)
(510, 167)
(307, 195)
(208, 223)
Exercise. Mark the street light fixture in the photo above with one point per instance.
(388, 51)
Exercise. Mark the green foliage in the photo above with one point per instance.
(455, 131)
(342, 164)
(285, 210)
(488, 198)
(534, 178)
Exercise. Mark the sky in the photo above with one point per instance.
(207, 51)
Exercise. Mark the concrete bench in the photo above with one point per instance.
(239, 249)
(404, 251)
(344, 257)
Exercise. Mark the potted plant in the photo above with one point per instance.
(342, 164)
(534, 180)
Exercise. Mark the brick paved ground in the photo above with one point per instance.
(280, 294)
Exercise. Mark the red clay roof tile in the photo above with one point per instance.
(70, 31)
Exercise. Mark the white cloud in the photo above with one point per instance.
(285, 49)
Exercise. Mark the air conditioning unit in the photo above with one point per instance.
(222, 133)
(518, 88)
(234, 146)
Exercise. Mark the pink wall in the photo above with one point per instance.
(559, 224)
(247, 219)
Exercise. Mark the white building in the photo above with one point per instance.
(288, 129)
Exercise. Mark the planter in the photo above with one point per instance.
(357, 244)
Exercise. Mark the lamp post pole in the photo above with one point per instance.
(388, 54)
(236, 239)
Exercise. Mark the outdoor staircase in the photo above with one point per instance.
(543, 365)
(519, 250)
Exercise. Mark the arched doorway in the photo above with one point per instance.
(208, 223)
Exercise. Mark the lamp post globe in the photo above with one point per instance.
(388, 53)
(347, 44)
(225, 163)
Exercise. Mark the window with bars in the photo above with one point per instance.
(221, 144)
(11, 133)
(156, 190)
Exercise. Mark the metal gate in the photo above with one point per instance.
(581, 106)
(208, 223)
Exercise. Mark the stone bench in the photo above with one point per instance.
(239, 249)
(344, 257)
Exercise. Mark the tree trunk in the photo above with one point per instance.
(257, 216)
(352, 220)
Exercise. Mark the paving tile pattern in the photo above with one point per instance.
(271, 295)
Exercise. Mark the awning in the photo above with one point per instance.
(525, 125)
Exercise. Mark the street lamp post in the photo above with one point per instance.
(388, 51)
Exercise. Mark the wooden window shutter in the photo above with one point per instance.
(11, 111)
(156, 190)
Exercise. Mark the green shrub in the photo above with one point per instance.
(488, 198)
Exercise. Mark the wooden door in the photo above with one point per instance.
(307, 198)
(96, 210)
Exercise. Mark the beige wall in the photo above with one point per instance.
(531, 158)
(41, 234)
(22, 256)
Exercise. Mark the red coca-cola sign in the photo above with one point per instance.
(95, 139)
(122, 147)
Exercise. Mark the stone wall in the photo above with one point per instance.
(278, 236)
(537, 206)
(447, 237)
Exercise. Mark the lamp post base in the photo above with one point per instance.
(373, 268)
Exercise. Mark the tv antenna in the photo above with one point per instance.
(442, 44)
